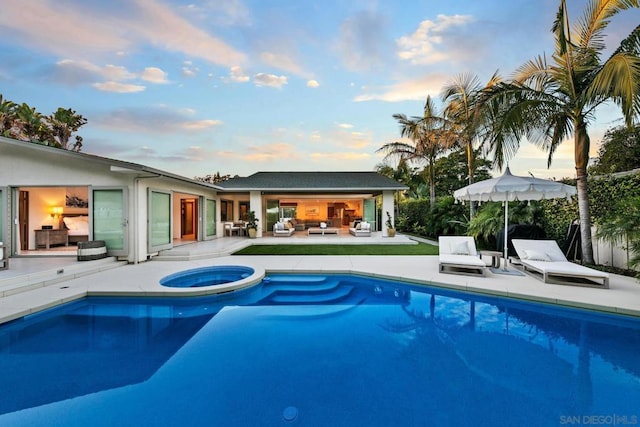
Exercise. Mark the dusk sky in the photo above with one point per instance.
(238, 87)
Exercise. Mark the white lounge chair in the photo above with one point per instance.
(458, 255)
(544, 259)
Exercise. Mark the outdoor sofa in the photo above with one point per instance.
(281, 229)
(361, 229)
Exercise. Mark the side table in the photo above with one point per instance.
(495, 257)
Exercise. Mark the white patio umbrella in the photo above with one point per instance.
(509, 188)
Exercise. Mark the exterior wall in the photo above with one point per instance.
(50, 172)
(388, 205)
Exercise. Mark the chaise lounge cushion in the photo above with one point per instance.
(544, 259)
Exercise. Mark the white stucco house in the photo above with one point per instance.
(139, 211)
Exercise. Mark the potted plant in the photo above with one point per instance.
(252, 224)
(391, 230)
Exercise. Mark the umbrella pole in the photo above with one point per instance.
(506, 229)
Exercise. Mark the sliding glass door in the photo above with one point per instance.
(109, 219)
(160, 225)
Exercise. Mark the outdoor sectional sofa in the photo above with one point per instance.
(280, 229)
(361, 229)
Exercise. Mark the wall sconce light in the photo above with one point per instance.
(56, 211)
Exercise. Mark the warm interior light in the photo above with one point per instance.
(56, 211)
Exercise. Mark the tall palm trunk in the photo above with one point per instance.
(432, 186)
(581, 146)
(472, 208)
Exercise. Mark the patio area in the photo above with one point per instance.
(33, 284)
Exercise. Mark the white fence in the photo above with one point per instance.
(614, 255)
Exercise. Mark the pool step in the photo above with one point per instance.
(335, 296)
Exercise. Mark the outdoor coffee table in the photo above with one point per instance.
(321, 230)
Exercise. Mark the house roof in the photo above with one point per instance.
(336, 182)
(312, 181)
(116, 165)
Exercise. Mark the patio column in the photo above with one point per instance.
(255, 204)
(388, 205)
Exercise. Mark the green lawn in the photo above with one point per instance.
(419, 249)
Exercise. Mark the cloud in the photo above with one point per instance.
(343, 156)
(313, 84)
(160, 26)
(201, 124)
(118, 87)
(153, 121)
(268, 152)
(283, 62)
(237, 75)
(154, 75)
(72, 31)
(51, 27)
(108, 78)
(428, 44)
(345, 125)
(408, 90)
(271, 80)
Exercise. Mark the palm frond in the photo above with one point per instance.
(618, 80)
(596, 17)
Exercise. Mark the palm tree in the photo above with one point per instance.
(430, 138)
(465, 107)
(29, 121)
(7, 115)
(548, 102)
(63, 123)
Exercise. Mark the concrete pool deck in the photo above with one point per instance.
(31, 285)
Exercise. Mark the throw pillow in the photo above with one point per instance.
(279, 226)
(359, 226)
(366, 226)
(460, 249)
(534, 255)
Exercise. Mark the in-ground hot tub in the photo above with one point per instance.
(207, 276)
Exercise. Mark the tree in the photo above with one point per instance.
(548, 102)
(7, 115)
(23, 122)
(63, 123)
(619, 151)
(452, 172)
(622, 225)
(430, 137)
(213, 179)
(29, 122)
(466, 108)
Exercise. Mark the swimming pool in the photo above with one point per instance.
(319, 350)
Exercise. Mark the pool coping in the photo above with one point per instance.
(142, 280)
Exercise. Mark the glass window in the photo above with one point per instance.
(226, 210)
(244, 210)
(159, 219)
(108, 218)
(210, 218)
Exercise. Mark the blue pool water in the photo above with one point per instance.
(319, 350)
(206, 276)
